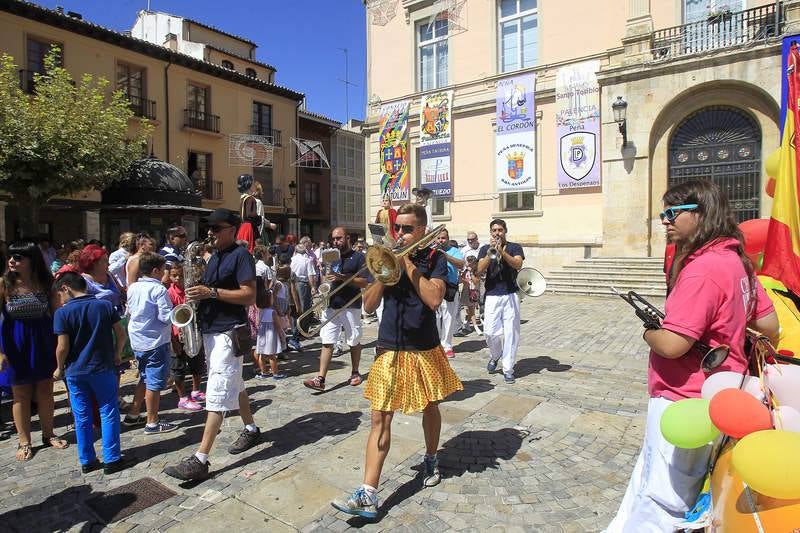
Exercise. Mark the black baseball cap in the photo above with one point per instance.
(222, 215)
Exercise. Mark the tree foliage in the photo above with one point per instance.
(65, 138)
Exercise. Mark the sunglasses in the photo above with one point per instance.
(404, 228)
(18, 257)
(671, 213)
(217, 229)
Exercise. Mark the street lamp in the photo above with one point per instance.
(292, 189)
(620, 108)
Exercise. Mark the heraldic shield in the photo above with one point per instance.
(578, 150)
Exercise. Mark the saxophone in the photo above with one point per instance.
(184, 316)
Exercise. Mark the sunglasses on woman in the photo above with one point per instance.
(671, 213)
(404, 228)
(18, 257)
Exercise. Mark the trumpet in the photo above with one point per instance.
(651, 316)
(384, 265)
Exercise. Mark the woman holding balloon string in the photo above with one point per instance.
(712, 295)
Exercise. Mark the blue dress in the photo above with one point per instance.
(27, 339)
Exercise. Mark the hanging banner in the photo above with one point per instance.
(394, 151)
(578, 128)
(515, 137)
(435, 137)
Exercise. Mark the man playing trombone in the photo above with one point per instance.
(350, 319)
(501, 260)
(411, 371)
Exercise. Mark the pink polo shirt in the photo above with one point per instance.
(708, 303)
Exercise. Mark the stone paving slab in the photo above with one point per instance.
(552, 452)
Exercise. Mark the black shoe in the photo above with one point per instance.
(247, 439)
(117, 466)
(190, 469)
(91, 467)
(132, 422)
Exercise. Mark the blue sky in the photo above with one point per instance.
(301, 38)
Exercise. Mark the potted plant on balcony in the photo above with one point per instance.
(719, 12)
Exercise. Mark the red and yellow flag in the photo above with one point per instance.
(782, 249)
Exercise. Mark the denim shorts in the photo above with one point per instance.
(154, 367)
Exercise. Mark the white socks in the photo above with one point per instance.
(252, 428)
(202, 457)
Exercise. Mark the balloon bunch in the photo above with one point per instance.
(763, 412)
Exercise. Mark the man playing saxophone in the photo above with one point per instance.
(350, 319)
(227, 289)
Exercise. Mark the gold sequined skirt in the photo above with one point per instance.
(409, 381)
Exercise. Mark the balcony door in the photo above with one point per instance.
(712, 24)
(723, 145)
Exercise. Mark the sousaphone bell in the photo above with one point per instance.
(531, 282)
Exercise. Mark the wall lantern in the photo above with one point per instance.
(620, 108)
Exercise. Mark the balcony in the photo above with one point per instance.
(200, 121)
(720, 30)
(142, 107)
(272, 197)
(212, 190)
(256, 129)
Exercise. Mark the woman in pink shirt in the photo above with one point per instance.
(713, 294)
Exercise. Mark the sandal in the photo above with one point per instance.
(24, 452)
(55, 442)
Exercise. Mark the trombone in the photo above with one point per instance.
(384, 265)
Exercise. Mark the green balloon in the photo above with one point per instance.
(686, 423)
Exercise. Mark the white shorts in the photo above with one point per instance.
(224, 373)
(349, 319)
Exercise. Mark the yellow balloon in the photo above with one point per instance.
(769, 463)
(772, 164)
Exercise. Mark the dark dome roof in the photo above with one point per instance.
(153, 181)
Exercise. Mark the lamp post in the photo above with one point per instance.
(620, 108)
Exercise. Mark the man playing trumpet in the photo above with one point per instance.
(501, 260)
(351, 262)
(411, 371)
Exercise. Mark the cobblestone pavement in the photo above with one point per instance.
(551, 452)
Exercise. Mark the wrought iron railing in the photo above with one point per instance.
(720, 30)
(142, 107)
(200, 120)
(212, 190)
(272, 197)
(258, 129)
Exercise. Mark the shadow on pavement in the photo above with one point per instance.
(306, 429)
(60, 511)
(471, 388)
(535, 365)
(475, 451)
(470, 346)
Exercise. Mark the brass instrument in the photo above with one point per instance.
(384, 265)
(328, 257)
(492, 254)
(184, 316)
(652, 316)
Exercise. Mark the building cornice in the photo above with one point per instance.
(88, 29)
(240, 56)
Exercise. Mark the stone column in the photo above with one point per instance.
(792, 10)
(638, 32)
(91, 224)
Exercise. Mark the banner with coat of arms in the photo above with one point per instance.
(515, 137)
(394, 151)
(435, 137)
(578, 128)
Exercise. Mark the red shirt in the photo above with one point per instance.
(177, 296)
(708, 303)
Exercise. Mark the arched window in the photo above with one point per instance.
(250, 73)
(227, 64)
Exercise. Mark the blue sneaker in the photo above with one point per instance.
(358, 504)
(491, 367)
(279, 375)
(294, 345)
(160, 427)
(432, 475)
(509, 377)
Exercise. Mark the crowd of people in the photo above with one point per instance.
(81, 314)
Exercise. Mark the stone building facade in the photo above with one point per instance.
(702, 86)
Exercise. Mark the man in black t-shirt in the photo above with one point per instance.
(411, 371)
(501, 310)
(350, 318)
(228, 288)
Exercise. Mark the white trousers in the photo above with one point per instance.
(224, 373)
(446, 318)
(501, 328)
(665, 482)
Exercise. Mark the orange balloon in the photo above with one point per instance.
(737, 413)
(770, 188)
(755, 236)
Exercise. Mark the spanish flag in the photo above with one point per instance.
(782, 249)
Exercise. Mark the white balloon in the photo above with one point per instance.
(730, 380)
(787, 418)
(784, 382)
